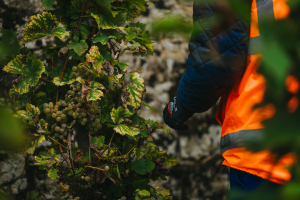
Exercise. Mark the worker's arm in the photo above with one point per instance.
(217, 60)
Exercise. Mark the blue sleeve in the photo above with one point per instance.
(217, 59)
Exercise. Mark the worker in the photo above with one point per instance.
(223, 62)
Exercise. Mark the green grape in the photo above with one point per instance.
(84, 119)
(51, 105)
(70, 113)
(61, 137)
(97, 121)
(70, 107)
(74, 68)
(87, 178)
(82, 177)
(45, 105)
(62, 130)
(63, 103)
(56, 135)
(58, 119)
(92, 110)
(106, 168)
(58, 113)
(52, 111)
(53, 115)
(69, 91)
(82, 123)
(76, 98)
(58, 103)
(93, 124)
(74, 89)
(65, 134)
(63, 116)
(78, 88)
(64, 126)
(99, 126)
(57, 128)
(83, 114)
(77, 74)
(46, 110)
(79, 116)
(55, 110)
(73, 93)
(73, 74)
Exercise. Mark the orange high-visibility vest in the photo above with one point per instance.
(236, 115)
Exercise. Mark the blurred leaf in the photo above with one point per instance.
(9, 46)
(48, 3)
(142, 166)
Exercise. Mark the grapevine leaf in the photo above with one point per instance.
(23, 99)
(78, 170)
(80, 80)
(85, 31)
(123, 65)
(171, 161)
(67, 78)
(52, 173)
(79, 47)
(94, 95)
(102, 38)
(117, 115)
(144, 193)
(139, 152)
(108, 21)
(33, 143)
(46, 159)
(96, 58)
(136, 88)
(94, 92)
(48, 3)
(105, 3)
(98, 141)
(147, 105)
(142, 166)
(126, 130)
(43, 25)
(9, 46)
(29, 67)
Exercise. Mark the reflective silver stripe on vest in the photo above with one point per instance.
(264, 8)
(239, 139)
(255, 46)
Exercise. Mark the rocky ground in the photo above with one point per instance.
(199, 174)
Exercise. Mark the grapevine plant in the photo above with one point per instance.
(78, 96)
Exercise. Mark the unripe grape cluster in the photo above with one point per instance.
(62, 188)
(73, 107)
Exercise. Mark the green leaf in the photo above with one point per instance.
(117, 115)
(147, 105)
(78, 170)
(48, 3)
(104, 3)
(33, 143)
(52, 173)
(79, 47)
(9, 46)
(29, 67)
(106, 20)
(85, 31)
(67, 78)
(123, 65)
(47, 159)
(42, 25)
(171, 161)
(124, 129)
(139, 152)
(80, 80)
(142, 166)
(95, 58)
(136, 89)
(99, 141)
(94, 93)
(23, 99)
(144, 193)
(102, 38)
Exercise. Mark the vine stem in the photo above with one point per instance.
(57, 142)
(65, 66)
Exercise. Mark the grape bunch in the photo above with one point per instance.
(62, 188)
(73, 107)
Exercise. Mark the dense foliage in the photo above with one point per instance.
(78, 88)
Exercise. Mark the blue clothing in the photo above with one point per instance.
(245, 183)
(217, 58)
